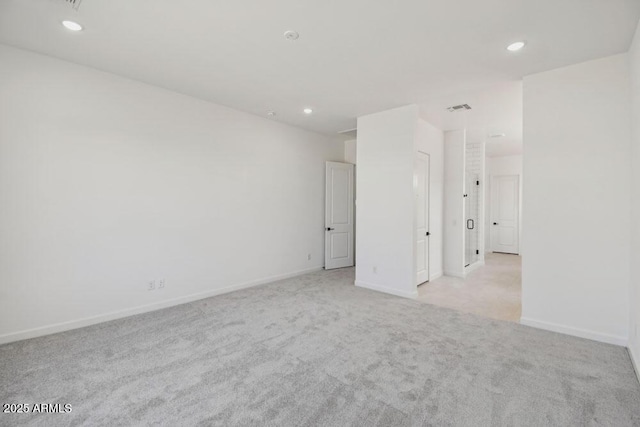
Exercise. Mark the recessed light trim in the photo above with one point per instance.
(291, 35)
(307, 111)
(72, 25)
(516, 46)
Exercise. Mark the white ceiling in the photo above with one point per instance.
(354, 57)
(495, 110)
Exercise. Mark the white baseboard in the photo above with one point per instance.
(435, 276)
(386, 290)
(576, 332)
(455, 274)
(473, 266)
(88, 321)
(634, 354)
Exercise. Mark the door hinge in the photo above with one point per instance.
(428, 234)
(477, 182)
(477, 252)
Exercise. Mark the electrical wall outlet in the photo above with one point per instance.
(161, 284)
(308, 257)
(375, 269)
(151, 285)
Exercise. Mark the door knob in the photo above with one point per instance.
(329, 228)
(495, 223)
(428, 234)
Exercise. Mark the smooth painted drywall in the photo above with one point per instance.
(107, 183)
(430, 140)
(350, 152)
(634, 331)
(385, 258)
(350, 156)
(496, 166)
(454, 151)
(577, 179)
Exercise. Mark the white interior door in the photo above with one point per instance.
(421, 191)
(505, 202)
(338, 242)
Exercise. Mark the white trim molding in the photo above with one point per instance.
(88, 321)
(576, 332)
(435, 276)
(635, 360)
(455, 274)
(473, 266)
(386, 290)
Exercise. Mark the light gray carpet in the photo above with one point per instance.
(315, 350)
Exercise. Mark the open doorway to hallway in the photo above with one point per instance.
(493, 288)
(482, 203)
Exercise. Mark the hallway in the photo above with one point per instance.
(493, 290)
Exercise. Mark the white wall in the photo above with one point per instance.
(576, 210)
(350, 156)
(454, 151)
(496, 166)
(634, 335)
(430, 140)
(385, 259)
(350, 151)
(107, 183)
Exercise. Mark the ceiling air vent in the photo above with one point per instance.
(460, 107)
(74, 3)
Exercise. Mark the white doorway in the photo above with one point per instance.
(421, 191)
(339, 218)
(505, 215)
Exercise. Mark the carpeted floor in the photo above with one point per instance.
(315, 350)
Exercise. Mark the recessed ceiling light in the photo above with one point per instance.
(73, 26)
(308, 111)
(514, 47)
(291, 35)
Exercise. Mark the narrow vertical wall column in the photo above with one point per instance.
(385, 259)
(454, 146)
